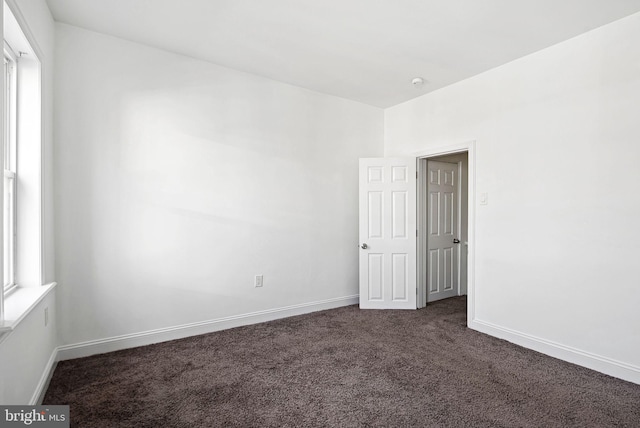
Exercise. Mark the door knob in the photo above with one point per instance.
(456, 241)
(364, 246)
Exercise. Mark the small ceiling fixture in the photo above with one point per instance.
(417, 81)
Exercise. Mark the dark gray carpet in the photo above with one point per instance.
(342, 368)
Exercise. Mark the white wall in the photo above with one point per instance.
(557, 151)
(25, 352)
(177, 181)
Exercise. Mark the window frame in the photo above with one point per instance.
(10, 175)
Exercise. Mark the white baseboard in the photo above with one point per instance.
(604, 365)
(43, 383)
(126, 341)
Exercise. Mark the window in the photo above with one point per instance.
(9, 148)
(21, 155)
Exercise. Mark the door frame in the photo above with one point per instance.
(421, 160)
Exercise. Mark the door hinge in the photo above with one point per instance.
(416, 175)
(416, 233)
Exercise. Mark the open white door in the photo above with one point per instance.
(443, 243)
(388, 233)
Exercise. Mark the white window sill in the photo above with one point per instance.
(20, 302)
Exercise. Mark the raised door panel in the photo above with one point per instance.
(375, 215)
(376, 277)
(399, 215)
(400, 273)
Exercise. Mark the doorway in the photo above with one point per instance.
(392, 205)
(443, 219)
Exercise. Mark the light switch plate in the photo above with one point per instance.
(484, 199)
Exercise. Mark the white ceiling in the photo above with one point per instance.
(364, 50)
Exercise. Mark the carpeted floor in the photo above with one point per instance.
(342, 368)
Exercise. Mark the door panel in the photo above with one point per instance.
(375, 214)
(399, 276)
(388, 228)
(434, 214)
(443, 253)
(399, 213)
(375, 278)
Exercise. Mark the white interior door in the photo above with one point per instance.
(443, 244)
(388, 233)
